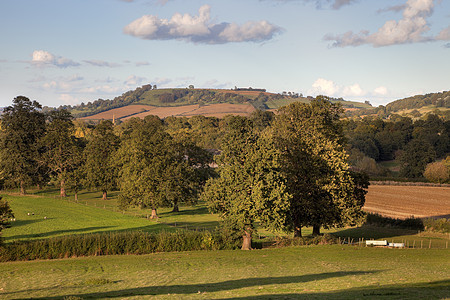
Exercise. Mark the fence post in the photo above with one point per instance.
(421, 244)
(429, 247)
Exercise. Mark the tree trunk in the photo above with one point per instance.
(247, 241)
(175, 207)
(298, 231)
(62, 192)
(105, 195)
(316, 230)
(22, 188)
(154, 215)
(76, 196)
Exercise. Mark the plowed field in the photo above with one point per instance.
(141, 111)
(405, 201)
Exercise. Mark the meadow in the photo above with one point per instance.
(314, 272)
(308, 272)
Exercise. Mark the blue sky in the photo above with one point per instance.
(72, 51)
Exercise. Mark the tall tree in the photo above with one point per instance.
(61, 146)
(22, 125)
(154, 172)
(100, 170)
(250, 186)
(310, 138)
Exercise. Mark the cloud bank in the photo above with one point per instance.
(329, 88)
(200, 29)
(410, 29)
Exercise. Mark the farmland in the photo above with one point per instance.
(406, 201)
(141, 111)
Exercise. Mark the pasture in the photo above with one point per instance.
(308, 272)
(315, 272)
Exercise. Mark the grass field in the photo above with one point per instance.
(312, 272)
(315, 272)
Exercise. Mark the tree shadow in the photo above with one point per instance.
(194, 226)
(431, 290)
(373, 232)
(212, 287)
(203, 210)
(56, 232)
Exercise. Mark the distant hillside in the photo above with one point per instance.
(182, 97)
(414, 107)
(415, 102)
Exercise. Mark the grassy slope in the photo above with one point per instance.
(64, 217)
(92, 214)
(333, 272)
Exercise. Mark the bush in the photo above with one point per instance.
(438, 225)
(437, 172)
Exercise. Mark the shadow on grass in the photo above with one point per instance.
(373, 232)
(212, 287)
(431, 290)
(203, 210)
(195, 226)
(57, 232)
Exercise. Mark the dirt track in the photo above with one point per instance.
(405, 201)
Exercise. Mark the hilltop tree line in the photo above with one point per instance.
(283, 172)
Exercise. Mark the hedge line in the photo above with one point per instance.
(114, 243)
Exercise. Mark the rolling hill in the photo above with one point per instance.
(147, 100)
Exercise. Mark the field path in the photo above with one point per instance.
(405, 201)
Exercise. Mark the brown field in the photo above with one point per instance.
(141, 111)
(405, 201)
(120, 112)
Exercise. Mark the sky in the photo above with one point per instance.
(64, 52)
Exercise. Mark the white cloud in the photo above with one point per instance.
(101, 89)
(381, 91)
(329, 88)
(101, 63)
(410, 29)
(320, 4)
(200, 29)
(444, 34)
(68, 99)
(43, 58)
(353, 91)
(134, 80)
(324, 87)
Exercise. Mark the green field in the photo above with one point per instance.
(309, 272)
(315, 272)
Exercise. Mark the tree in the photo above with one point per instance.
(154, 171)
(100, 170)
(61, 146)
(22, 125)
(310, 138)
(250, 186)
(437, 172)
(417, 154)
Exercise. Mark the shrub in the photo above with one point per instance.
(437, 172)
(438, 225)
